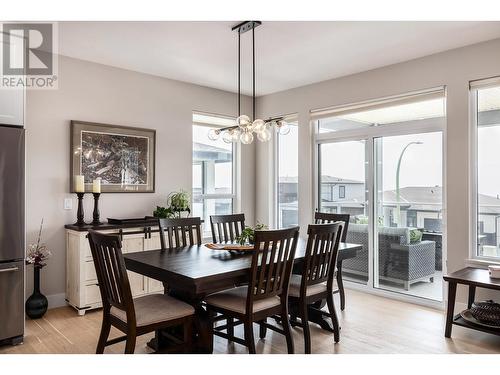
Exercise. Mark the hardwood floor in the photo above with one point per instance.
(370, 324)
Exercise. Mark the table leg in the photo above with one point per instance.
(204, 339)
(340, 284)
(472, 295)
(452, 292)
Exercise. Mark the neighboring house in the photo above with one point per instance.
(420, 206)
(205, 160)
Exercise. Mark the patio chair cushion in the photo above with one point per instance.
(235, 299)
(155, 308)
(294, 288)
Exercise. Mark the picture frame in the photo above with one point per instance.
(122, 157)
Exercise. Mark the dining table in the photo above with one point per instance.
(191, 273)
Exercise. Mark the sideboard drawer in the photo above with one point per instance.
(92, 294)
(86, 249)
(90, 274)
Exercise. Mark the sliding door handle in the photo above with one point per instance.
(9, 269)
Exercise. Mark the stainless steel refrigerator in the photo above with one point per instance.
(12, 238)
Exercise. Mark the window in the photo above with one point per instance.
(287, 177)
(342, 192)
(486, 106)
(381, 163)
(213, 170)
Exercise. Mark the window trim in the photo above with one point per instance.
(474, 86)
(236, 167)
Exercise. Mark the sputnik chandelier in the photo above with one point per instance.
(245, 128)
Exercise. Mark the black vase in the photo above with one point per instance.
(36, 305)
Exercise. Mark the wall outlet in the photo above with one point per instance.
(68, 203)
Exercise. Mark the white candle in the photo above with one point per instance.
(96, 186)
(79, 184)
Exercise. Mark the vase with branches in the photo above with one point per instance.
(36, 304)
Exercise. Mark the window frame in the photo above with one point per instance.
(236, 156)
(369, 135)
(275, 191)
(474, 87)
(342, 196)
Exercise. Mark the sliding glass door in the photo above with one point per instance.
(342, 189)
(382, 164)
(408, 234)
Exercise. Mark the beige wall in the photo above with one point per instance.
(99, 93)
(453, 69)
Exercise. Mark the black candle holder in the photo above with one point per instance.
(96, 215)
(79, 214)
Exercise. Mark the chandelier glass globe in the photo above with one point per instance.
(243, 121)
(264, 135)
(235, 137)
(213, 134)
(227, 136)
(258, 125)
(246, 137)
(283, 128)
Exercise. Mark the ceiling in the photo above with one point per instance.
(289, 54)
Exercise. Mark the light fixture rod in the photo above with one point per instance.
(239, 75)
(253, 75)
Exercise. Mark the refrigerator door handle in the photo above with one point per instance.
(10, 269)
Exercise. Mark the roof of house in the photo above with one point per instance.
(202, 151)
(324, 179)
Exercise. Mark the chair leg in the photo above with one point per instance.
(340, 285)
(103, 337)
(130, 345)
(262, 329)
(230, 326)
(333, 316)
(305, 326)
(250, 341)
(285, 321)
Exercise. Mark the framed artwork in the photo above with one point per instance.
(122, 157)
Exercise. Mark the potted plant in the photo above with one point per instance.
(36, 304)
(248, 234)
(177, 203)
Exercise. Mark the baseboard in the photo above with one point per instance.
(56, 300)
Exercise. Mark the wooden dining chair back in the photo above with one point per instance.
(272, 262)
(111, 273)
(316, 282)
(325, 218)
(226, 228)
(133, 317)
(266, 293)
(321, 254)
(179, 232)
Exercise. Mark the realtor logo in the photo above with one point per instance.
(29, 56)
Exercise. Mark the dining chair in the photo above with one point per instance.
(179, 232)
(266, 294)
(225, 228)
(134, 317)
(324, 218)
(316, 282)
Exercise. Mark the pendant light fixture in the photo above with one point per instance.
(245, 128)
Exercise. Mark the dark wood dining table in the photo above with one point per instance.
(191, 273)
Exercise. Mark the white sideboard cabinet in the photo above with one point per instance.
(82, 289)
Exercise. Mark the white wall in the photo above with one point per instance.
(453, 69)
(99, 93)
